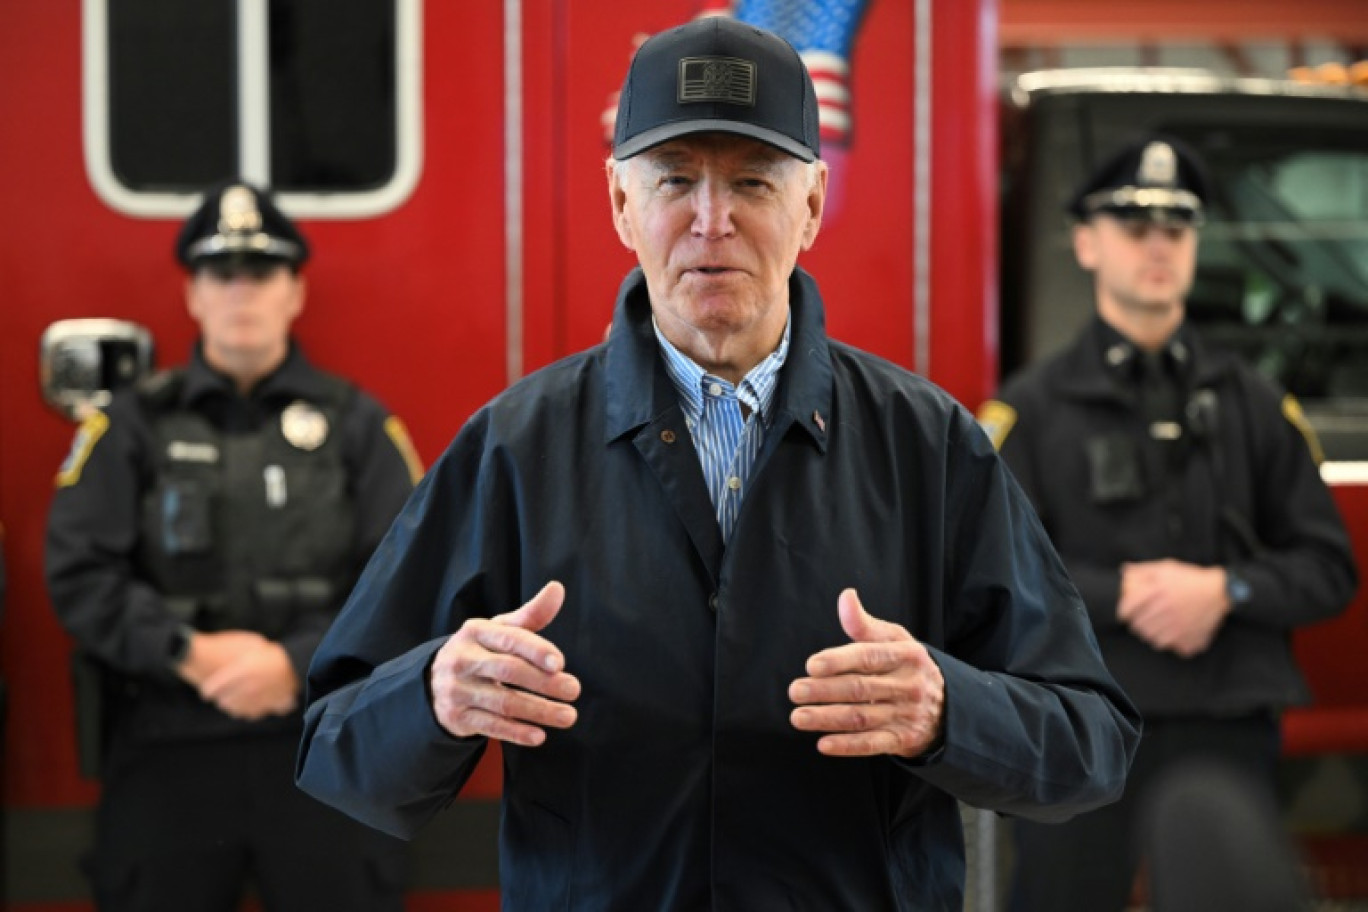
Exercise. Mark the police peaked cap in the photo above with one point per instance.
(1152, 177)
(716, 74)
(239, 219)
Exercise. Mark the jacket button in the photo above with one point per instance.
(712, 603)
(668, 436)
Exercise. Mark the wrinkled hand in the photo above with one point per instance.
(496, 677)
(242, 673)
(881, 694)
(1172, 605)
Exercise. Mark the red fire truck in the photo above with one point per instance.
(446, 160)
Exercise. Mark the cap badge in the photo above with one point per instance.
(305, 427)
(1158, 165)
(238, 212)
(727, 79)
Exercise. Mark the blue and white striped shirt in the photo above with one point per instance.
(727, 444)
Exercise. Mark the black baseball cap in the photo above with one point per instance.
(1155, 178)
(237, 221)
(717, 74)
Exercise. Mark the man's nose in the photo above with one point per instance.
(712, 210)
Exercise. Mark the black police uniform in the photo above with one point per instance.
(1185, 453)
(188, 504)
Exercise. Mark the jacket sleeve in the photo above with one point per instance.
(1302, 570)
(91, 536)
(1035, 725)
(382, 469)
(372, 746)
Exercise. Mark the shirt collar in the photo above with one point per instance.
(1122, 356)
(638, 390)
(756, 389)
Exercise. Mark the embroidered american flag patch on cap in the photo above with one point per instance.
(728, 79)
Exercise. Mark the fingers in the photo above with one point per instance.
(501, 679)
(259, 682)
(538, 611)
(878, 647)
(861, 626)
(514, 633)
(882, 693)
(495, 711)
(910, 681)
(466, 703)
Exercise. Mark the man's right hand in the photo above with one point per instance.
(496, 677)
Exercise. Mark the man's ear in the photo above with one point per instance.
(1085, 245)
(617, 198)
(816, 203)
(301, 294)
(191, 299)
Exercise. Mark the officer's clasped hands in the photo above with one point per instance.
(241, 672)
(1172, 605)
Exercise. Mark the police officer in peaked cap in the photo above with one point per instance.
(206, 527)
(1182, 490)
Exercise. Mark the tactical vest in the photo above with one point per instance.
(246, 531)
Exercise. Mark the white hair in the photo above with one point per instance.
(619, 169)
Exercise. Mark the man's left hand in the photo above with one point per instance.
(881, 694)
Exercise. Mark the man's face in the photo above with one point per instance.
(1141, 267)
(244, 311)
(717, 222)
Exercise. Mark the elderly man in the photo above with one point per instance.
(749, 609)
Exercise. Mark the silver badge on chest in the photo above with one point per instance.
(304, 426)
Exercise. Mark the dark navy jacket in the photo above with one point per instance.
(683, 784)
(1248, 496)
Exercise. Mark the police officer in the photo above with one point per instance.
(1182, 491)
(206, 527)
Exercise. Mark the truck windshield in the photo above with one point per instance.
(1283, 267)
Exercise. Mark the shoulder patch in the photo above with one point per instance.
(997, 419)
(1292, 411)
(90, 431)
(398, 435)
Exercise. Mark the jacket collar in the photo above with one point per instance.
(293, 379)
(1095, 365)
(638, 389)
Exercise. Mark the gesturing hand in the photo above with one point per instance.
(881, 694)
(498, 678)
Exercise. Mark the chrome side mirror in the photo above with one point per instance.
(82, 362)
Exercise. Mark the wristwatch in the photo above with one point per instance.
(1237, 589)
(178, 649)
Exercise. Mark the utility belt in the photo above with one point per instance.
(268, 606)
